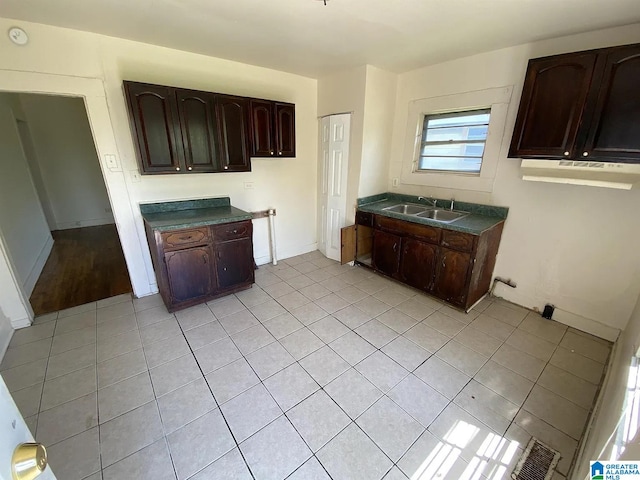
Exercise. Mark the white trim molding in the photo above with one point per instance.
(495, 98)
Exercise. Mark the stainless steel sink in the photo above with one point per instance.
(407, 209)
(444, 216)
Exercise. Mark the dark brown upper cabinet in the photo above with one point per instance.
(199, 125)
(273, 128)
(581, 105)
(234, 122)
(262, 123)
(156, 129)
(187, 131)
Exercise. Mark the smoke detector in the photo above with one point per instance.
(18, 36)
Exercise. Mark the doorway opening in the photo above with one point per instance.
(55, 213)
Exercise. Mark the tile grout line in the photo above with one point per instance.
(237, 445)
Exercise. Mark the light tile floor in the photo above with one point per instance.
(319, 371)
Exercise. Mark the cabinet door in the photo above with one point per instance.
(262, 128)
(234, 115)
(189, 273)
(286, 129)
(614, 133)
(417, 264)
(200, 137)
(451, 276)
(156, 127)
(386, 252)
(552, 106)
(234, 263)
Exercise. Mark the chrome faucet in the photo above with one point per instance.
(429, 199)
(451, 207)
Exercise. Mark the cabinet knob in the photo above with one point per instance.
(279, 153)
(226, 168)
(566, 154)
(189, 168)
(177, 169)
(271, 152)
(585, 154)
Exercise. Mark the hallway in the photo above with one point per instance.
(85, 265)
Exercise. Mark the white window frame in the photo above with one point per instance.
(495, 98)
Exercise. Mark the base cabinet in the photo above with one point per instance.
(417, 267)
(451, 276)
(386, 252)
(189, 274)
(194, 265)
(454, 266)
(234, 263)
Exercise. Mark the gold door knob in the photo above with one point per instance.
(29, 460)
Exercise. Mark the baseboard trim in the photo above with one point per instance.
(84, 223)
(5, 339)
(287, 253)
(36, 270)
(586, 325)
(21, 323)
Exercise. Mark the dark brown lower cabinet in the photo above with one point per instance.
(189, 274)
(386, 252)
(454, 266)
(417, 267)
(451, 276)
(194, 265)
(234, 262)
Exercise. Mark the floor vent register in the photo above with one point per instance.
(537, 462)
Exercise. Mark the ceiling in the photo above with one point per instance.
(308, 38)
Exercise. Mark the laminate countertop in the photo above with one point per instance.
(166, 216)
(480, 218)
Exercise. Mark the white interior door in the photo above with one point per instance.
(334, 165)
(14, 432)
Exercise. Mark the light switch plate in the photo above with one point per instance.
(111, 161)
(395, 182)
(134, 175)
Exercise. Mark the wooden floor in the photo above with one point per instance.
(85, 265)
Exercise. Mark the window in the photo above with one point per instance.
(421, 166)
(454, 142)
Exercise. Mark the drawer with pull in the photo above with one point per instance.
(185, 238)
(232, 231)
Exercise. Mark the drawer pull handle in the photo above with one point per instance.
(186, 237)
(204, 259)
(395, 246)
(235, 231)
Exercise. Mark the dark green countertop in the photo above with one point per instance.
(164, 216)
(481, 218)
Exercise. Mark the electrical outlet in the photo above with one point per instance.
(248, 185)
(134, 175)
(395, 182)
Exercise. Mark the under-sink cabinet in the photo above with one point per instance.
(454, 266)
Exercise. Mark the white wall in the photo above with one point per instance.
(344, 92)
(567, 245)
(600, 438)
(22, 222)
(369, 94)
(379, 105)
(289, 185)
(67, 160)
